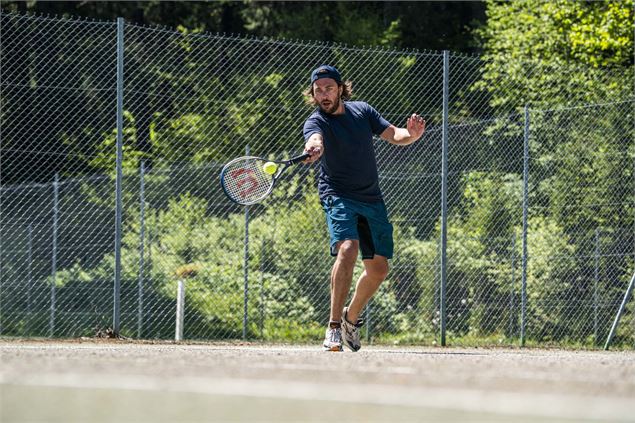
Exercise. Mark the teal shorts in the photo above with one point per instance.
(366, 222)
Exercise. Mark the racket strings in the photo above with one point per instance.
(245, 181)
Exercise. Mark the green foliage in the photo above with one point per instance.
(492, 204)
(106, 151)
(549, 55)
(288, 273)
(337, 21)
(593, 33)
(549, 52)
(546, 288)
(599, 32)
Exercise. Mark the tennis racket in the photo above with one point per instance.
(246, 181)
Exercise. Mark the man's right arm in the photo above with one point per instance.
(315, 147)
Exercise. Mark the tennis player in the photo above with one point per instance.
(339, 133)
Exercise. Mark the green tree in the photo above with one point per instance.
(422, 25)
(565, 55)
(546, 53)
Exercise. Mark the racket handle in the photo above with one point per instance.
(299, 159)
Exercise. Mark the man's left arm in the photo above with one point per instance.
(415, 127)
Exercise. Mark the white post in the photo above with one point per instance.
(180, 310)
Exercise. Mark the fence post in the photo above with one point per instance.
(142, 236)
(1, 249)
(262, 288)
(180, 310)
(444, 193)
(246, 267)
(368, 321)
(618, 316)
(54, 254)
(30, 273)
(118, 182)
(596, 279)
(511, 288)
(523, 296)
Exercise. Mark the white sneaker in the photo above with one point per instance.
(350, 332)
(333, 339)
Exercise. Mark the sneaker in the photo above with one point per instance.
(333, 339)
(351, 332)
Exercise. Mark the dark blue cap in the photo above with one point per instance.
(326, 71)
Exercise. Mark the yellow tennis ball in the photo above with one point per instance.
(270, 168)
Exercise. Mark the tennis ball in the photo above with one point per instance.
(270, 168)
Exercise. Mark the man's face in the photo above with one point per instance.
(327, 93)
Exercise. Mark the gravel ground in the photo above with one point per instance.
(115, 381)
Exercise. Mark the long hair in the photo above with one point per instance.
(347, 93)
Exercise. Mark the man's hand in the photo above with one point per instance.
(314, 147)
(416, 126)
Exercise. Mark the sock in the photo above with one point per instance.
(334, 324)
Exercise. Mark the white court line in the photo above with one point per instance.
(497, 402)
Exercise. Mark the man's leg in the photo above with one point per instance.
(342, 276)
(375, 271)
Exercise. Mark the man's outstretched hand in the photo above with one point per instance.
(416, 126)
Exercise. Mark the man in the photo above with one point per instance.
(339, 133)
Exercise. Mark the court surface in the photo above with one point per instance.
(113, 381)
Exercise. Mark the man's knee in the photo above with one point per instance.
(378, 270)
(381, 273)
(347, 250)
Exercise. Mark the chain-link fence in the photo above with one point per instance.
(540, 221)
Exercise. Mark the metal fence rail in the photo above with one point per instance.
(192, 101)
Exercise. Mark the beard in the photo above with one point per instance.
(331, 107)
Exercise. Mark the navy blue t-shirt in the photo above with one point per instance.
(348, 167)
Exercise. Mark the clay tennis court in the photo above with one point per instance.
(122, 381)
